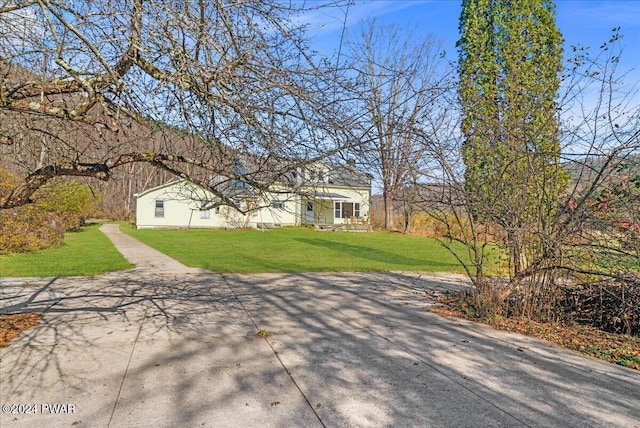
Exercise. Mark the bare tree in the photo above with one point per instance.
(592, 239)
(88, 86)
(398, 79)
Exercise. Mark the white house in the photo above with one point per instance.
(323, 195)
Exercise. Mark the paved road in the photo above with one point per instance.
(163, 345)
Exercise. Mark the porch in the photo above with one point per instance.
(333, 211)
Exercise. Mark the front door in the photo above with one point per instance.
(309, 211)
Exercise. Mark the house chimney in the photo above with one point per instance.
(351, 162)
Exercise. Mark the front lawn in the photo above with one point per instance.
(88, 252)
(298, 250)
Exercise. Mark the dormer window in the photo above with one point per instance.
(316, 176)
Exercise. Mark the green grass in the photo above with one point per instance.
(88, 252)
(298, 250)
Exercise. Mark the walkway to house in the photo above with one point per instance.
(144, 257)
(163, 345)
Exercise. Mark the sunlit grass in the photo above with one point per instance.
(88, 252)
(298, 250)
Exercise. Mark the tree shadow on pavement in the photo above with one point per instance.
(128, 345)
(357, 349)
(366, 350)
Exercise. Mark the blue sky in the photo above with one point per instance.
(586, 22)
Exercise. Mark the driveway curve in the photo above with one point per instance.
(165, 345)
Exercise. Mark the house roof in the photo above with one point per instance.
(346, 175)
(329, 196)
(153, 189)
(290, 172)
(229, 189)
(274, 172)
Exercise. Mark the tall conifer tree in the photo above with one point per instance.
(510, 58)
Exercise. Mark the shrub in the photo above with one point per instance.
(437, 224)
(608, 305)
(59, 206)
(28, 228)
(69, 200)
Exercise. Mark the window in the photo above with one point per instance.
(239, 171)
(204, 214)
(159, 208)
(309, 206)
(316, 175)
(277, 205)
(347, 209)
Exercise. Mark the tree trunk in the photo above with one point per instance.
(389, 223)
(517, 257)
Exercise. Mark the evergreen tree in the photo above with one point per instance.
(510, 57)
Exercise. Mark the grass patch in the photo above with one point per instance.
(87, 252)
(298, 250)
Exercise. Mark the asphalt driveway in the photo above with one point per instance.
(163, 345)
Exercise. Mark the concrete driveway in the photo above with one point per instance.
(163, 345)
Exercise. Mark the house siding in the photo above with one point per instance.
(181, 208)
